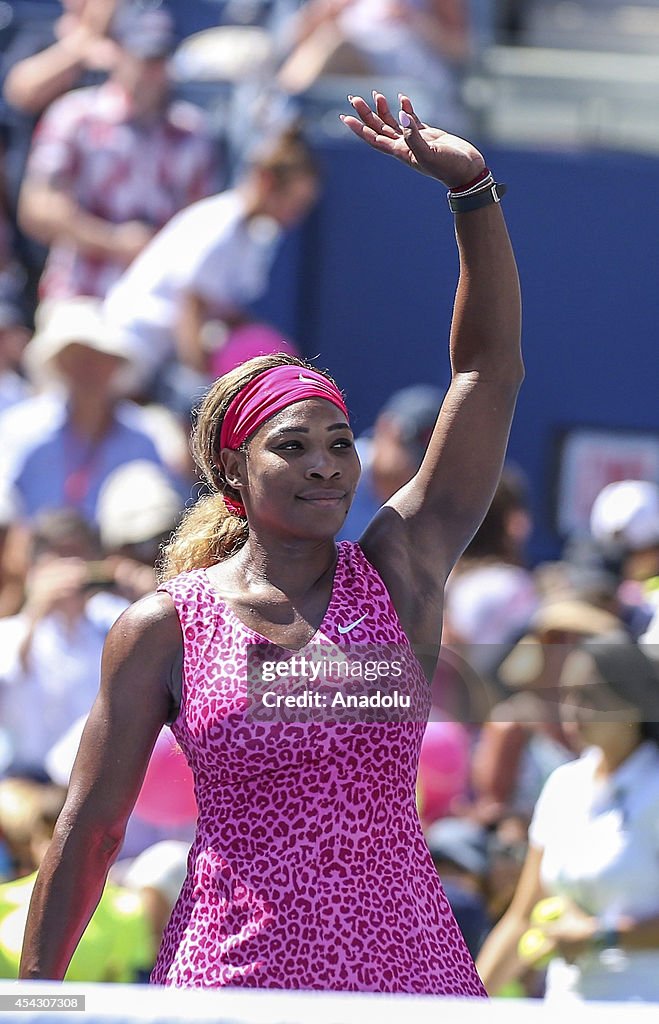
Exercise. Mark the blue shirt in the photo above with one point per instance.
(46, 465)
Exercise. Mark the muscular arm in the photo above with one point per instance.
(121, 731)
(417, 537)
(446, 501)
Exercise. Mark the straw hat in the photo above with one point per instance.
(525, 663)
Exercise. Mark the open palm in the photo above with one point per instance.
(429, 150)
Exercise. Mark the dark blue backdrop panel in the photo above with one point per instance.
(367, 288)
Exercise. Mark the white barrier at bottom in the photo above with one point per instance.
(42, 1002)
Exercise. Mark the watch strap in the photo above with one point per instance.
(475, 200)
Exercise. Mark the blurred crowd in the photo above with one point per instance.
(134, 238)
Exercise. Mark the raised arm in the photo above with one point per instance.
(35, 81)
(131, 708)
(427, 524)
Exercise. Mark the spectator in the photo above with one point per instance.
(187, 293)
(12, 274)
(392, 452)
(507, 846)
(523, 740)
(60, 446)
(427, 41)
(594, 839)
(624, 522)
(489, 599)
(51, 651)
(138, 509)
(46, 57)
(110, 164)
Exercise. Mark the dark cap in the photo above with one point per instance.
(461, 841)
(147, 33)
(415, 410)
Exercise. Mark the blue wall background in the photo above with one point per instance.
(366, 287)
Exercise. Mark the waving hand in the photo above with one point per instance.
(430, 151)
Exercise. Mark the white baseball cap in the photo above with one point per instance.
(137, 502)
(625, 514)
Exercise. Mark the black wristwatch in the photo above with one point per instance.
(467, 203)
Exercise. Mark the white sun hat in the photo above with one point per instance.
(77, 321)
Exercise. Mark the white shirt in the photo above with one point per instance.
(600, 842)
(38, 705)
(210, 249)
(13, 389)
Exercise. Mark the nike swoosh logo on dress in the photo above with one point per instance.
(346, 629)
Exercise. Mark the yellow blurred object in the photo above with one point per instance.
(549, 909)
(116, 946)
(534, 947)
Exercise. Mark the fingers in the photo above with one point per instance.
(406, 105)
(373, 120)
(411, 126)
(377, 141)
(382, 108)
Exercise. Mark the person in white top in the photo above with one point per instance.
(594, 840)
(50, 652)
(191, 285)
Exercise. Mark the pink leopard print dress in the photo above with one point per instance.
(309, 869)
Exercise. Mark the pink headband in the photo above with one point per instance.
(268, 393)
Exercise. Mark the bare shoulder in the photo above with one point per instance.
(148, 631)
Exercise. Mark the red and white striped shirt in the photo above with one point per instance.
(119, 170)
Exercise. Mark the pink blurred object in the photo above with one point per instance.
(167, 795)
(247, 341)
(443, 769)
